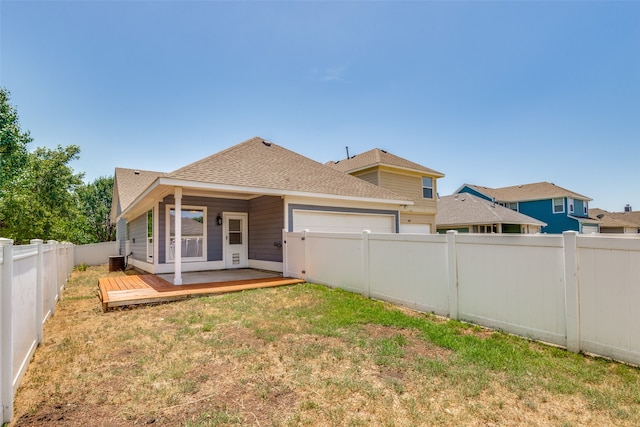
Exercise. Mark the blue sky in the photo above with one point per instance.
(492, 93)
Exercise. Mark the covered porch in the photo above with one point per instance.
(151, 289)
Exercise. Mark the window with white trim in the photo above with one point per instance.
(570, 203)
(510, 205)
(150, 235)
(427, 187)
(558, 205)
(194, 233)
(585, 208)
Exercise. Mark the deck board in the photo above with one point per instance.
(146, 289)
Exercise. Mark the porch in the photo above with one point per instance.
(150, 289)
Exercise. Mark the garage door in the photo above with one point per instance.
(415, 228)
(342, 222)
(589, 228)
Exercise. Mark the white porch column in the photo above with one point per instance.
(177, 257)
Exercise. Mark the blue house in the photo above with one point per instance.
(561, 209)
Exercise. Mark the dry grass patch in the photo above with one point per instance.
(304, 355)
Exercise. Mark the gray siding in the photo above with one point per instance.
(121, 231)
(214, 231)
(138, 230)
(266, 221)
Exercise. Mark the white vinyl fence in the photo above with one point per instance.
(581, 292)
(31, 279)
(95, 253)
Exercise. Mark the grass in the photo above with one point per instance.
(304, 355)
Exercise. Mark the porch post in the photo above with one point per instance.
(177, 257)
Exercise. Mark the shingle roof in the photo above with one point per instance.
(378, 157)
(257, 163)
(131, 183)
(616, 219)
(466, 208)
(526, 192)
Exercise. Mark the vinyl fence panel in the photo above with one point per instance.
(410, 270)
(25, 317)
(336, 260)
(294, 255)
(514, 283)
(609, 277)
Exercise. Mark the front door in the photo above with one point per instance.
(235, 240)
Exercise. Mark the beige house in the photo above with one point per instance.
(617, 222)
(467, 213)
(403, 177)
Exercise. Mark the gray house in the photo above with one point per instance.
(228, 210)
(467, 213)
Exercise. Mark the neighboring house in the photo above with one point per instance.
(228, 210)
(467, 213)
(403, 177)
(617, 222)
(562, 209)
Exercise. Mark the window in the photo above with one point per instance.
(510, 205)
(150, 235)
(194, 232)
(558, 205)
(585, 208)
(427, 188)
(570, 203)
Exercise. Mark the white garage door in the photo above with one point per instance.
(342, 222)
(415, 228)
(589, 228)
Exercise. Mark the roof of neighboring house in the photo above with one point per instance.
(467, 209)
(378, 157)
(129, 184)
(616, 219)
(527, 192)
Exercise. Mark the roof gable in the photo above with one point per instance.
(378, 157)
(129, 184)
(527, 192)
(257, 163)
(469, 209)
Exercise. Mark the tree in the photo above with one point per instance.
(94, 201)
(13, 148)
(42, 202)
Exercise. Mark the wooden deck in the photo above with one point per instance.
(148, 289)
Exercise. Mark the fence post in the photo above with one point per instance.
(452, 261)
(305, 270)
(56, 297)
(571, 290)
(366, 263)
(6, 330)
(39, 289)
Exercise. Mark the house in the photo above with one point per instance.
(561, 209)
(228, 210)
(626, 222)
(404, 177)
(467, 213)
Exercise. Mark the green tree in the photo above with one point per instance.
(94, 201)
(42, 202)
(13, 148)
(37, 189)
